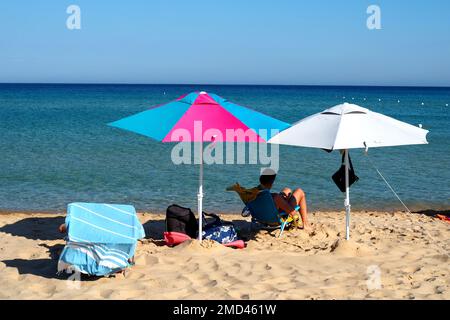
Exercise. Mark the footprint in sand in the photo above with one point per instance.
(134, 275)
(106, 293)
(146, 260)
(409, 296)
(125, 294)
(212, 265)
(212, 283)
(416, 285)
(231, 278)
(439, 289)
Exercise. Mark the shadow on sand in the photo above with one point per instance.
(46, 268)
(44, 229)
(154, 230)
(35, 228)
(433, 213)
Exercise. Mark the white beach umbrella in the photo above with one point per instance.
(348, 126)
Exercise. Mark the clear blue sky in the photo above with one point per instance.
(226, 42)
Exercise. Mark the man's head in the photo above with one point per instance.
(267, 177)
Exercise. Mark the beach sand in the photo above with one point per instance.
(390, 255)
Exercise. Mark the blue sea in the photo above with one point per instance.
(55, 148)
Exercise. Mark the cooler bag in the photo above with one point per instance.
(182, 220)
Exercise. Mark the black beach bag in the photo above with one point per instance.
(180, 219)
(339, 176)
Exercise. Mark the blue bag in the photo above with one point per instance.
(218, 230)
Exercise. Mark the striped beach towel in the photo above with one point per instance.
(101, 238)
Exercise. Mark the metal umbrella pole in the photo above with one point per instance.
(347, 197)
(200, 195)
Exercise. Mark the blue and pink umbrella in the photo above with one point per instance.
(202, 117)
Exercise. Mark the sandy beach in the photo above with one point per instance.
(390, 256)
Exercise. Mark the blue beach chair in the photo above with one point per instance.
(264, 211)
(101, 238)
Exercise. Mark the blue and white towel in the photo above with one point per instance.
(101, 238)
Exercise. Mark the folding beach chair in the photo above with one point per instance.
(101, 238)
(264, 211)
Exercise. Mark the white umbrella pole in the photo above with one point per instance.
(200, 195)
(347, 197)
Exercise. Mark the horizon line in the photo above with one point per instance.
(225, 84)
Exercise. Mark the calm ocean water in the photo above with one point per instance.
(56, 148)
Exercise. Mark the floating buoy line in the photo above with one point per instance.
(379, 100)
